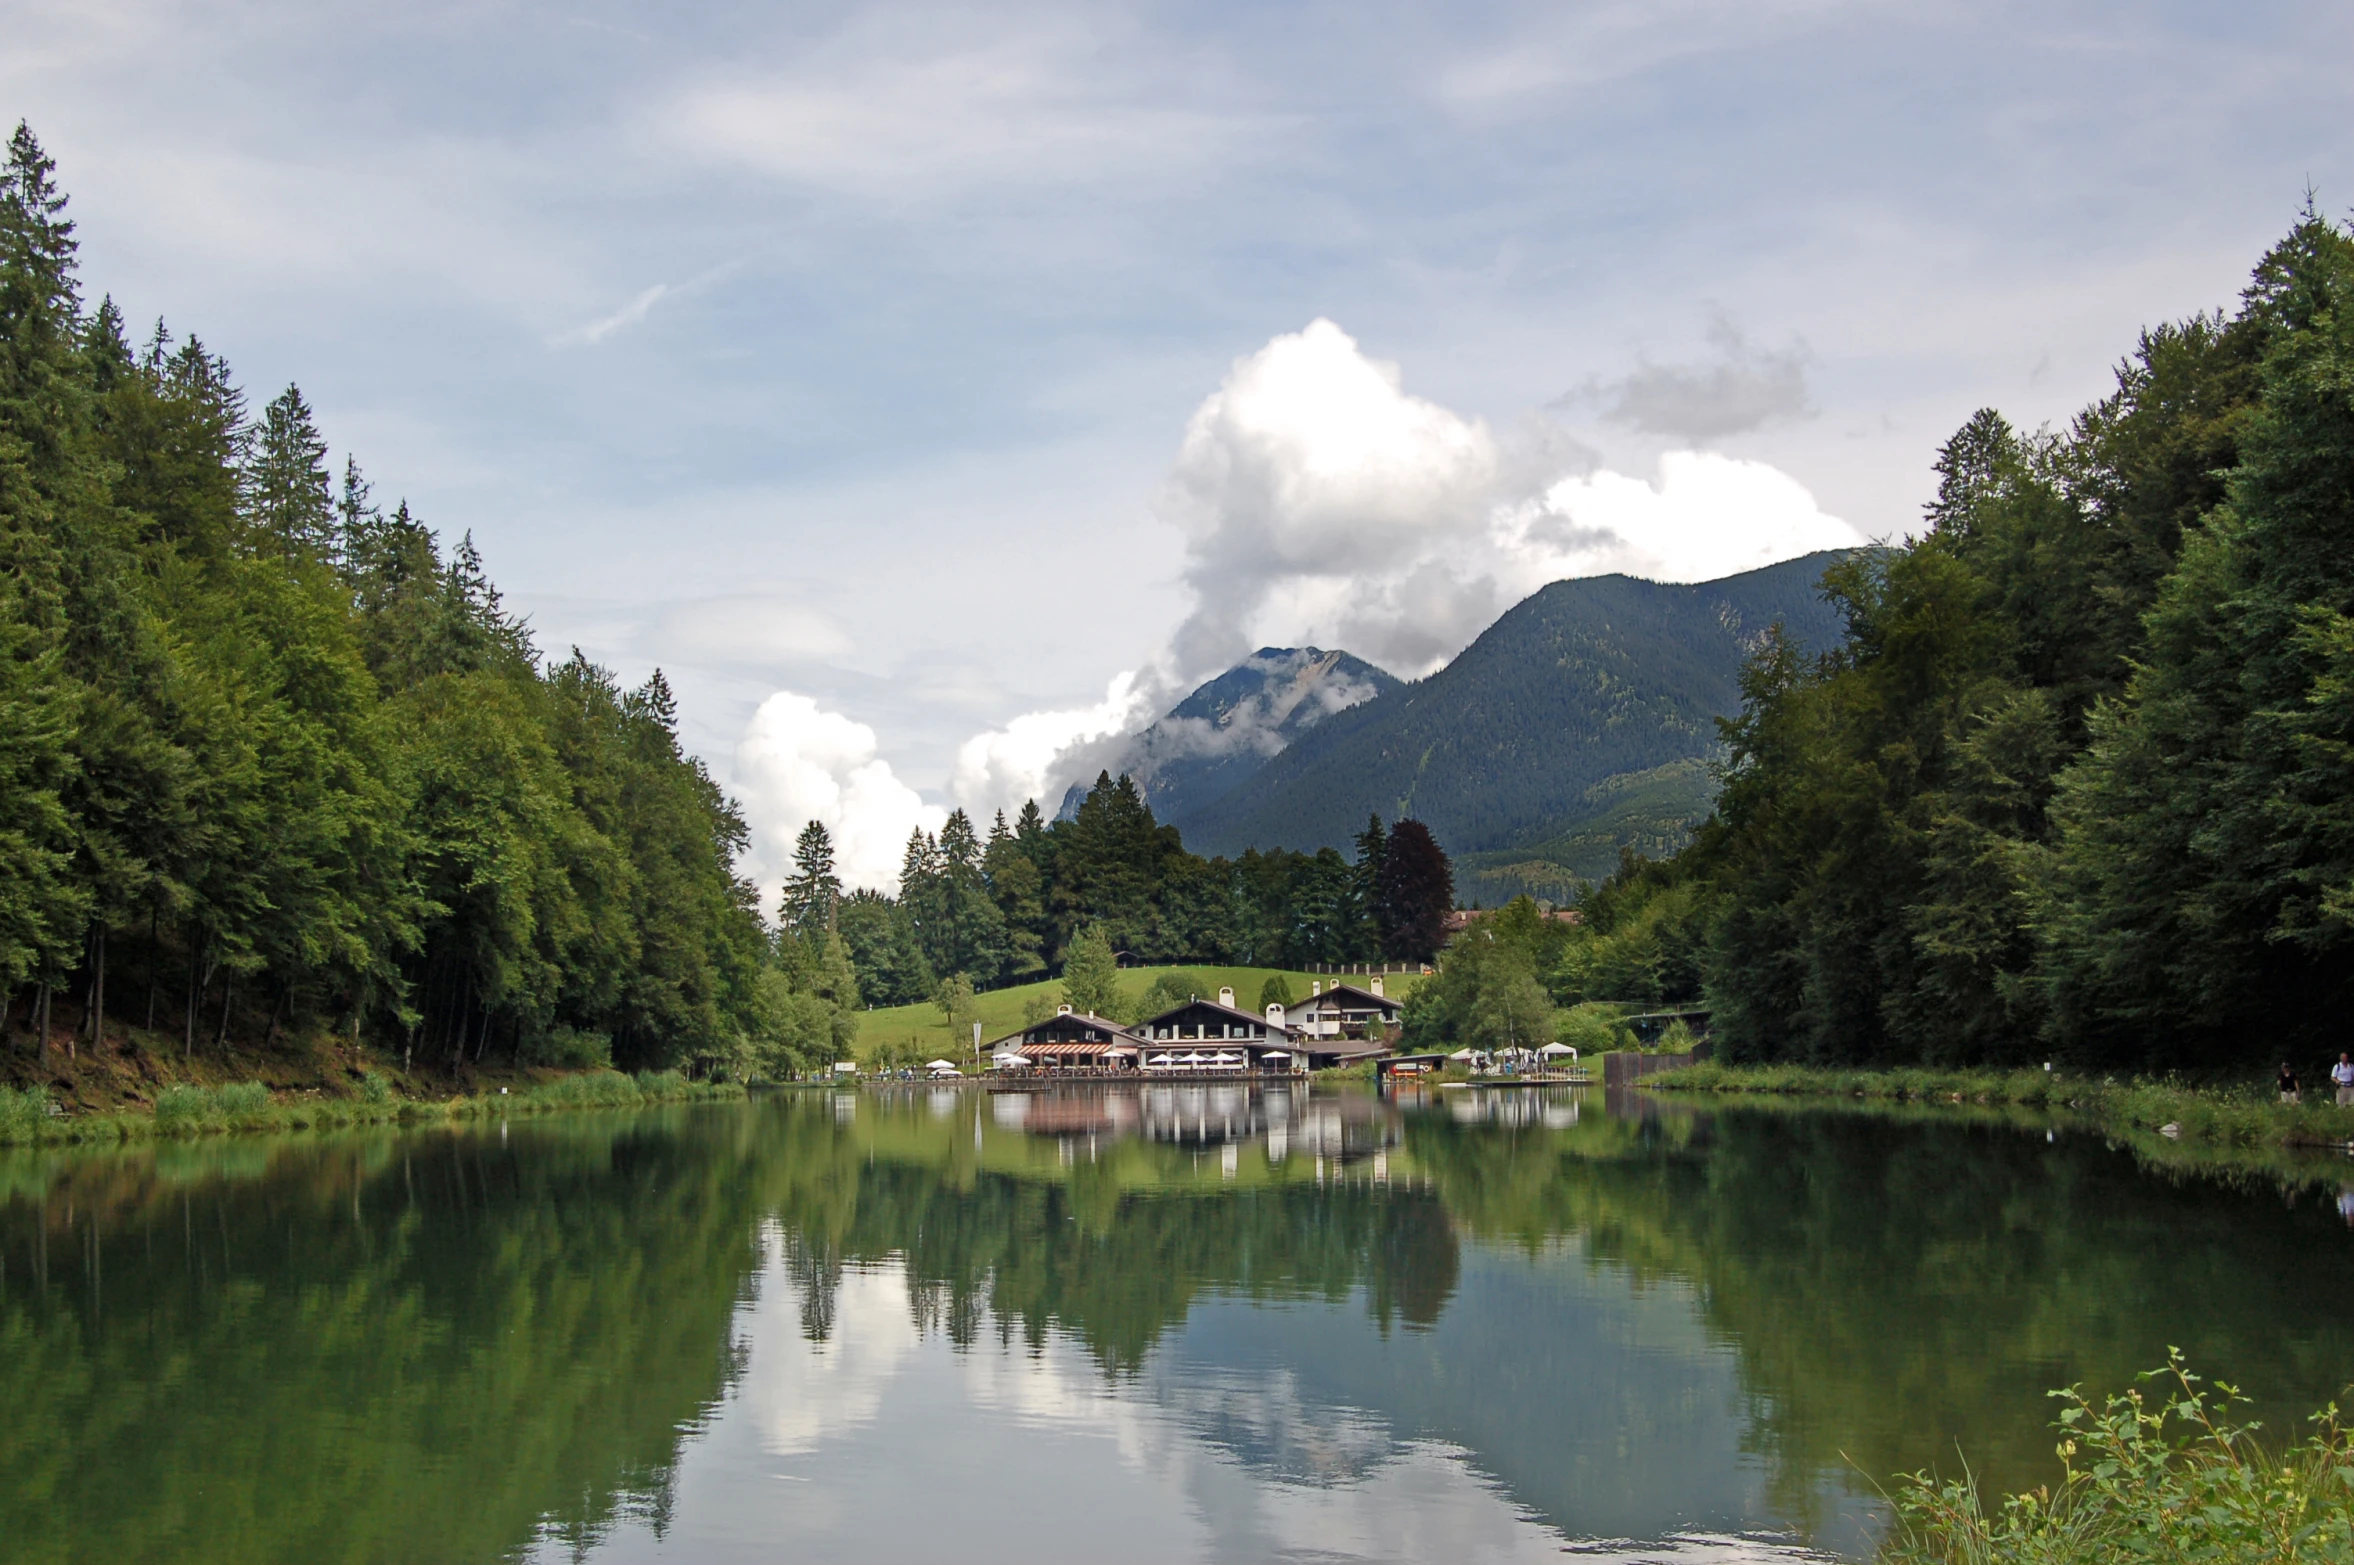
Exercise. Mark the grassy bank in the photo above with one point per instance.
(2155, 1474)
(32, 1116)
(1002, 1010)
(2237, 1115)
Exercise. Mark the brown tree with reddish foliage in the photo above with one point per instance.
(1415, 890)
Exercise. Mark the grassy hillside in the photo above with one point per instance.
(1583, 682)
(1001, 1009)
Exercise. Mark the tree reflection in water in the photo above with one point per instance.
(444, 1345)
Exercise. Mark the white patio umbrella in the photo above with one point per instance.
(1222, 1057)
(1275, 1054)
(1001, 1061)
(1158, 1059)
(1194, 1057)
(941, 1065)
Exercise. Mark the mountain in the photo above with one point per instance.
(1217, 738)
(1582, 719)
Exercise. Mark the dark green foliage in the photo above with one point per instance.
(997, 912)
(1580, 682)
(2077, 780)
(298, 769)
(1413, 893)
(883, 947)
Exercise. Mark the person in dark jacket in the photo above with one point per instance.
(2288, 1083)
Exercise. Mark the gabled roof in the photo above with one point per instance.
(1356, 998)
(1226, 1011)
(1070, 1021)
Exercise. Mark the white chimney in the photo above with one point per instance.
(1226, 997)
(1275, 1013)
(1377, 986)
(1062, 1010)
(1315, 987)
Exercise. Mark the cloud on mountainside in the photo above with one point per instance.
(1321, 503)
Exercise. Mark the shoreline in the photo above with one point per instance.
(2240, 1116)
(30, 1118)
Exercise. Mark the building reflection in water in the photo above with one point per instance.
(1337, 1130)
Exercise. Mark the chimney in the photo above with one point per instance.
(1275, 1013)
(1226, 997)
(1377, 986)
(1062, 1010)
(1315, 987)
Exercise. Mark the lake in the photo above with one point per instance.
(1208, 1322)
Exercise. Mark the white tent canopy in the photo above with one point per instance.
(847, 1067)
(1463, 1054)
(1557, 1049)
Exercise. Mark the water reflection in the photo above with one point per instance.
(1200, 1320)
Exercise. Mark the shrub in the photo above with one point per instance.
(186, 1110)
(23, 1113)
(592, 1089)
(570, 1048)
(1590, 1028)
(376, 1092)
(2178, 1483)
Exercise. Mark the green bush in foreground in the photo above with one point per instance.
(23, 1113)
(2180, 1483)
(183, 1110)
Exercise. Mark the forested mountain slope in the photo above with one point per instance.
(1581, 682)
(1217, 738)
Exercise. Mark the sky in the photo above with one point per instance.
(934, 391)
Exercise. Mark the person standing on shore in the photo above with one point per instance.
(2343, 1074)
(2288, 1083)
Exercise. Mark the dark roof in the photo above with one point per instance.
(1356, 996)
(1214, 1007)
(1069, 1021)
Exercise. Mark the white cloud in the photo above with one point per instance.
(1027, 758)
(797, 763)
(1323, 504)
(1702, 517)
(630, 314)
(800, 1394)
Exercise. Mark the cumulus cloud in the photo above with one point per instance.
(1741, 388)
(798, 763)
(1322, 502)
(1030, 757)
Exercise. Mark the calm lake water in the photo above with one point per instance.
(1171, 1324)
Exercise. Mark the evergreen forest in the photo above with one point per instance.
(1112, 885)
(2078, 782)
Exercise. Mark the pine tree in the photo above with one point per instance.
(814, 891)
(1091, 975)
(287, 493)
